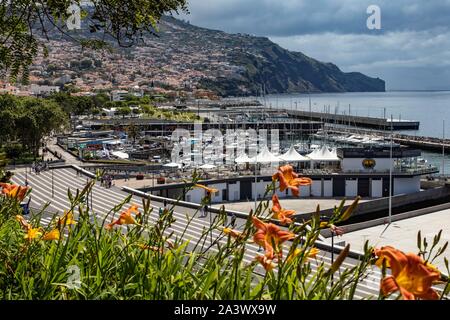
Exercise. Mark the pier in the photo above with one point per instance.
(355, 121)
(420, 142)
(286, 127)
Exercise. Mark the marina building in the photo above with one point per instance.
(356, 171)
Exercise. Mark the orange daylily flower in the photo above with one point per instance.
(338, 231)
(23, 223)
(233, 233)
(33, 233)
(125, 218)
(266, 262)
(170, 244)
(66, 220)
(14, 191)
(410, 275)
(312, 254)
(209, 191)
(290, 180)
(279, 213)
(151, 248)
(268, 234)
(52, 235)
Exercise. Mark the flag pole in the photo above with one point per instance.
(390, 174)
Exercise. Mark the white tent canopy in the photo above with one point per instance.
(323, 154)
(242, 159)
(293, 156)
(172, 165)
(120, 155)
(265, 156)
(207, 166)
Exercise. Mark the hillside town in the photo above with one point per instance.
(168, 65)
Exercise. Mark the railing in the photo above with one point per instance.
(396, 171)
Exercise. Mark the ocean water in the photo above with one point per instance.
(431, 108)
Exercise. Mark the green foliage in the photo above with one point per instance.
(124, 111)
(133, 132)
(86, 64)
(147, 261)
(28, 120)
(13, 150)
(80, 105)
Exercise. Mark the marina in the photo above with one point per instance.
(358, 121)
(358, 135)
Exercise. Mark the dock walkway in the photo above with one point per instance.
(364, 122)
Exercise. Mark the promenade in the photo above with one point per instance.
(403, 234)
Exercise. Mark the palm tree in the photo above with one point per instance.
(133, 132)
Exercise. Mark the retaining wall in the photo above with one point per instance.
(397, 201)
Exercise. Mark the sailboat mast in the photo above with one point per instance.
(443, 148)
(390, 173)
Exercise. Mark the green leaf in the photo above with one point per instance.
(339, 260)
(347, 214)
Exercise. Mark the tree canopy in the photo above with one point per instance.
(25, 26)
(28, 120)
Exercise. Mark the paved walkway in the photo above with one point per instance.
(299, 205)
(403, 234)
(70, 159)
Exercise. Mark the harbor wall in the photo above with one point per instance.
(381, 204)
(382, 221)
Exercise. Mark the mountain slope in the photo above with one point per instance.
(186, 57)
(262, 63)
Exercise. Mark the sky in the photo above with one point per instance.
(410, 51)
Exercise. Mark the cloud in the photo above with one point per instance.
(294, 17)
(407, 53)
(411, 51)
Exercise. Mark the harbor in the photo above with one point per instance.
(359, 135)
(358, 121)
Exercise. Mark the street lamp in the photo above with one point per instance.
(443, 149)
(390, 173)
(53, 184)
(327, 219)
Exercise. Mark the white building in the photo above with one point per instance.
(363, 172)
(119, 95)
(39, 90)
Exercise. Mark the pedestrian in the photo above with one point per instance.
(202, 212)
(233, 220)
